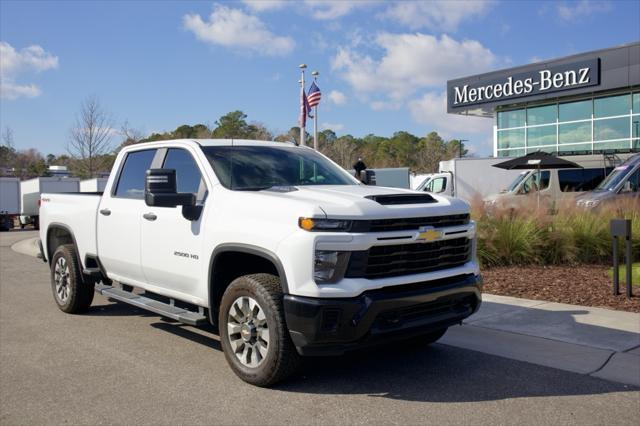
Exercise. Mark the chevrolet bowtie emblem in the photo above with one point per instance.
(429, 235)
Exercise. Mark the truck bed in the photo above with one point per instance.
(77, 211)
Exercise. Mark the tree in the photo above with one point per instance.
(455, 148)
(90, 138)
(232, 126)
(431, 150)
(130, 135)
(7, 150)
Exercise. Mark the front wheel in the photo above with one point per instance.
(253, 333)
(70, 293)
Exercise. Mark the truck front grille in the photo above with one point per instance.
(407, 259)
(409, 223)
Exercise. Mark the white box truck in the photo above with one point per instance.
(470, 178)
(30, 194)
(93, 185)
(9, 201)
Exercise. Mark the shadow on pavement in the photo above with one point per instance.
(410, 370)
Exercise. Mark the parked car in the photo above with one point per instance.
(622, 183)
(276, 245)
(557, 185)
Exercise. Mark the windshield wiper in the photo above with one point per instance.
(252, 188)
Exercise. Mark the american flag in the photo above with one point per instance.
(305, 109)
(314, 95)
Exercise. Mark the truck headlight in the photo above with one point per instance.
(336, 225)
(329, 266)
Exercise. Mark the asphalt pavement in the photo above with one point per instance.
(118, 364)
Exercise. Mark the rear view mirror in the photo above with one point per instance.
(160, 190)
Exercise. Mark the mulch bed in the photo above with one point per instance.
(586, 285)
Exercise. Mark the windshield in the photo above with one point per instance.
(252, 168)
(517, 181)
(423, 184)
(614, 178)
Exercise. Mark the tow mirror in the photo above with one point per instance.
(161, 190)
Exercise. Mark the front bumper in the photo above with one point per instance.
(334, 326)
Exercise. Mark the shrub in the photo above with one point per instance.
(564, 234)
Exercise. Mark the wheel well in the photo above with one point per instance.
(57, 236)
(229, 265)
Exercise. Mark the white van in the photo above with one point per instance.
(556, 185)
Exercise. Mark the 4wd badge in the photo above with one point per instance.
(428, 234)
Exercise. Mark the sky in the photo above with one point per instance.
(383, 65)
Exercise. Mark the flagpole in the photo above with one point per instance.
(302, 127)
(315, 75)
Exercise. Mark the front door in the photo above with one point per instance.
(173, 257)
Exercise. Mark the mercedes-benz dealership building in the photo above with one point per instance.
(585, 103)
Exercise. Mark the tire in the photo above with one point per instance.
(70, 292)
(242, 334)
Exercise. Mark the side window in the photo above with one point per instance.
(131, 181)
(536, 182)
(188, 175)
(438, 185)
(580, 179)
(633, 183)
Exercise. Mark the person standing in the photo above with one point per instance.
(359, 167)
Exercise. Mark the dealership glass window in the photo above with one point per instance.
(574, 132)
(550, 149)
(611, 128)
(543, 135)
(624, 144)
(578, 147)
(511, 153)
(511, 138)
(542, 115)
(635, 126)
(611, 106)
(515, 118)
(572, 111)
(636, 103)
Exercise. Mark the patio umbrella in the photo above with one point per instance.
(537, 161)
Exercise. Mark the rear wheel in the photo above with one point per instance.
(253, 332)
(70, 292)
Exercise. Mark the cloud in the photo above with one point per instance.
(332, 126)
(574, 10)
(16, 63)
(233, 28)
(333, 9)
(337, 97)
(431, 110)
(410, 62)
(436, 15)
(264, 5)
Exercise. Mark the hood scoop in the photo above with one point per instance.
(400, 199)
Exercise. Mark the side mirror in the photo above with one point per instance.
(161, 190)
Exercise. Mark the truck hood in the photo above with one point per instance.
(350, 202)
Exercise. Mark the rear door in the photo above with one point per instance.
(172, 246)
(120, 216)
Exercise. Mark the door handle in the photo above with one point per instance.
(105, 212)
(150, 216)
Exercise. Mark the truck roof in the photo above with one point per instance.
(215, 142)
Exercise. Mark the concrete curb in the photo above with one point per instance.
(29, 247)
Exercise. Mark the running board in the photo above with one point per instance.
(170, 311)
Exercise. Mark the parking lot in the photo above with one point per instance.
(117, 364)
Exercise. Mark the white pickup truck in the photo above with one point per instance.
(276, 245)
